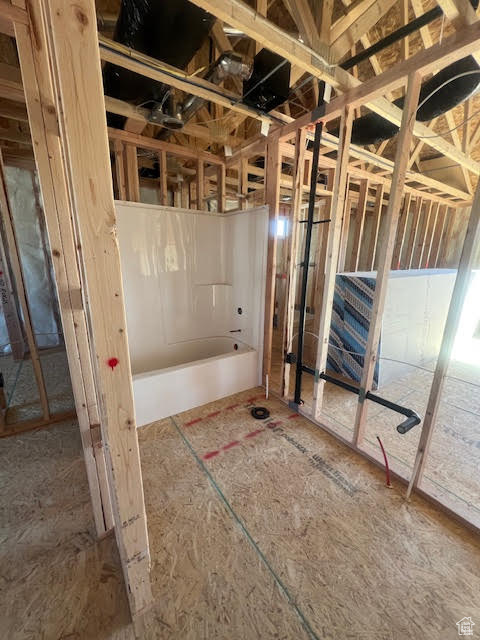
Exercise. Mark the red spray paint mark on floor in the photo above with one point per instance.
(210, 454)
(230, 445)
(189, 424)
(252, 434)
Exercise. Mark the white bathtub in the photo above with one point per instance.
(196, 372)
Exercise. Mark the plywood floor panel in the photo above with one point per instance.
(356, 556)
(308, 529)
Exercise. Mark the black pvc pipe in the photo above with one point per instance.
(308, 241)
(412, 416)
(393, 37)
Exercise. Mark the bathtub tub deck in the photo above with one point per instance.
(165, 392)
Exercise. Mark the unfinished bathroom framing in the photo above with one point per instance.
(240, 320)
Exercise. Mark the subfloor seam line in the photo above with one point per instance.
(261, 555)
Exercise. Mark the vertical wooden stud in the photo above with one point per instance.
(133, 182)
(272, 197)
(75, 63)
(385, 252)
(359, 225)
(437, 234)
(333, 250)
(120, 169)
(401, 230)
(163, 171)
(40, 100)
(298, 176)
(425, 261)
(460, 290)
(200, 185)
(21, 291)
(376, 218)
(221, 188)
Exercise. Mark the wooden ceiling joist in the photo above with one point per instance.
(144, 65)
(239, 15)
(143, 142)
(361, 17)
(139, 114)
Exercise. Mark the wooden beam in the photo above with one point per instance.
(11, 83)
(12, 132)
(291, 251)
(239, 15)
(385, 251)
(361, 17)
(133, 113)
(200, 182)
(74, 61)
(370, 92)
(461, 14)
(407, 259)
(221, 188)
(460, 290)
(425, 260)
(376, 218)
(243, 175)
(401, 229)
(13, 110)
(9, 308)
(162, 162)
(131, 167)
(288, 151)
(302, 16)
(359, 225)
(120, 173)
(40, 99)
(444, 240)
(347, 215)
(421, 235)
(143, 142)
(333, 250)
(144, 65)
(12, 13)
(272, 197)
(437, 235)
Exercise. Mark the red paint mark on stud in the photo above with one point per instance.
(293, 416)
(232, 406)
(210, 454)
(212, 415)
(112, 363)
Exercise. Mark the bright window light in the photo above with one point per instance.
(467, 341)
(281, 227)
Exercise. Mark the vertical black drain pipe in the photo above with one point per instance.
(308, 241)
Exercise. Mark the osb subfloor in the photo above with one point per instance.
(451, 472)
(256, 530)
(21, 390)
(452, 469)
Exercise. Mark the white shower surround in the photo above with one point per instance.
(185, 275)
